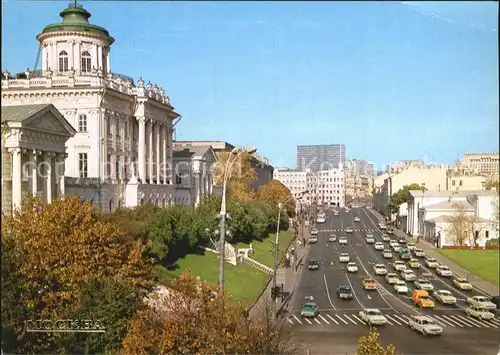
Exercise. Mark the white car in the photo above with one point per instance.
(395, 247)
(399, 265)
(423, 284)
(400, 287)
(444, 297)
(419, 253)
(312, 239)
(387, 254)
(386, 238)
(382, 226)
(425, 325)
(462, 284)
(314, 231)
(344, 258)
(391, 278)
(342, 241)
(369, 235)
(402, 241)
(411, 246)
(352, 267)
(408, 275)
(482, 302)
(370, 240)
(379, 269)
(379, 246)
(332, 238)
(431, 263)
(479, 312)
(372, 316)
(356, 219)
(444, 271)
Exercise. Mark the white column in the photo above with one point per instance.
(99, 57)
(71, 54)
(60, 173)
(150, 150)
(96, 56)
(34, 171)
(16, 177)
(108, 61)
(53, 58)
(141, 151)
(113, 167)
(166, 162)
(158, 130)
(48, 173)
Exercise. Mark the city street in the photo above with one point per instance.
(338, 326)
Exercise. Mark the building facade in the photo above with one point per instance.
(358, 188)
(320, 157)
(295, 180)
(263, 169)
(483, 163)
(33, 153)
(359, 167)
(327, 187)
(122, 129)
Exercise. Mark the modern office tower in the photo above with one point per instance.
(320, 157)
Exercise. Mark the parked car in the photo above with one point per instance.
(425, 325)
(444, 297)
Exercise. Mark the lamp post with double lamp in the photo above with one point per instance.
(423, 211)
(234, 156)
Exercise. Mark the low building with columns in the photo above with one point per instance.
(33, 153)
(193, 174)
(123, 130)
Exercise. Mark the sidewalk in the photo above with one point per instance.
(430, 250)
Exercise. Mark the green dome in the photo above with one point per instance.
(76, 19)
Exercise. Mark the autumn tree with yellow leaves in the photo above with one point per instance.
(58, 253)
(274, 191)
(370, 345)
(240, 177)
(191, 319)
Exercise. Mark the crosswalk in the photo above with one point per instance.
(355, 229)
(393, 319)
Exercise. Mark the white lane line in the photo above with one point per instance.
(333, 319)
(489, 322)
(289, 320)
(472, 321)
(392, 319)
(401, 319)
(388, 321)
(324, 319)
(297, 319)
(353, 322)
(443, 320)
(433, 317)
(453, 321)
(317, 321)
(341, 319)
(328, 292)
(352, 288)
(307, 320)
(495, 320)
(359, 319)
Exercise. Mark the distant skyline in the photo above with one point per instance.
(390, 80)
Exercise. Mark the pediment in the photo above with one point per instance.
(48, 122)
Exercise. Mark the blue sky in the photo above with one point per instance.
(390, 80)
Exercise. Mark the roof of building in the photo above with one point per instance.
(216, 145)
(448, 193)
(75, 19)
(446, 219)
(197, 152)
(450, 205)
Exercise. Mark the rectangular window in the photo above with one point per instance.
(452, 182)
(178, 179)
(460, 182)
(83, 165)
(487, 234)
(82, 123)
(117, 167)
(63, 63)
(108, 165)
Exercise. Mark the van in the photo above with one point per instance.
(422, 299)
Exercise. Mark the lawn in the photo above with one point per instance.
(262, 250)
(244, 282)
(483, 263)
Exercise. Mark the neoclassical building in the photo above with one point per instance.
(122, 129)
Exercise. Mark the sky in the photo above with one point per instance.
(390, 80)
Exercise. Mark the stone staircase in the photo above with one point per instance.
(256, 264)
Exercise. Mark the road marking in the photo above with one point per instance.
(360, 320)
(490, 322)
(392, 319)
(444, 321)
(307, 320)
(433, 317)
(401, 319)
(333, 319)
(327, 322)
(289, 320)
(471, 321)
(451, 320)
(341, 319)
(353, 322)
(328, 292)
(496, 321)
(297, 319)
(353, 292)
(317, 321)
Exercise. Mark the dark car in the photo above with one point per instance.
(344, 292)
(313, 265)
(496, 300)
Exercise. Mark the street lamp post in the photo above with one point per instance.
(234, 155)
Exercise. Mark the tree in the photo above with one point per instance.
(370, 345)
(240, 190)
(242, 169)
(493, 183)
(463, 225)
(58, 246)
(496, 212)
(274, 191)
(191, 319)
(401, 196)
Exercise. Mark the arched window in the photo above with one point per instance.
(86, 62)
(63, 62)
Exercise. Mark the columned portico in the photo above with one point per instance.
(141, 151)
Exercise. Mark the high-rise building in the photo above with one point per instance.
(320, 157)
(358, 167)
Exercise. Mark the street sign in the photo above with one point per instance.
(280, 276)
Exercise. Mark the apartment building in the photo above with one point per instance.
(327, 187)
(320, 157)
(483, 163)
(295, 180)
(358, 188)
